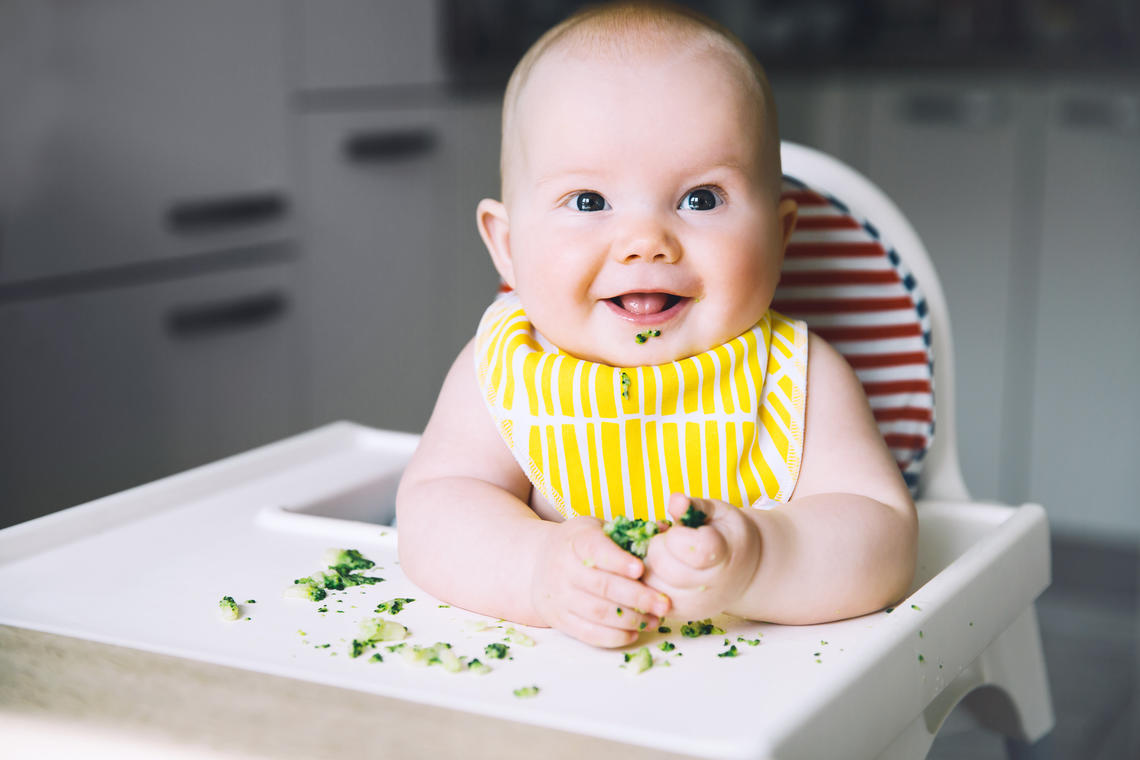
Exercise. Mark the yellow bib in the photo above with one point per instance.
(605, 441)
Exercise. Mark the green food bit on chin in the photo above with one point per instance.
(642, 337)
(693, 517)
(526, 691)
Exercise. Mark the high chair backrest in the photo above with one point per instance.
(861, 278)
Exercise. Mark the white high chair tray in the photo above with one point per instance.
(145, 569)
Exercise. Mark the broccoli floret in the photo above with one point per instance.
(394, 606)
(379, 629)
(693, 517)
(358, 647)
(303, 588)
(526, 691)
(730, 652)
(496, 650)
(631, 535)
(356, 579)
(377, 657)
(228, 608)
(695, 628)
(666, 646)
(347, 560)
(477, 667)
(639, 661)
(518, 637)
(440, 653)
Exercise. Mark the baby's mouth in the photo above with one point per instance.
(647, 307)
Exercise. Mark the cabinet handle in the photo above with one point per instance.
(394, 145)
(1111, 114)
(207, 319)
(224, 213)
(974, 110)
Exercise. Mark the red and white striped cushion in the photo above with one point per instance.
(851, 287)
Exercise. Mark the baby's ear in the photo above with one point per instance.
(787, 212)
(495, 229)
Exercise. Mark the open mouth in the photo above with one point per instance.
(647, 308)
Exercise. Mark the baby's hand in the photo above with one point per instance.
(586, 586)
(703, 570)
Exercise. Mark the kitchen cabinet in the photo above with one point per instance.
(1086, 416)
(946, 151)
(354, 44)
(136, 131)
(825, 112)
(396, 274)
(109, 388)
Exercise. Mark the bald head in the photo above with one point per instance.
(625, 32)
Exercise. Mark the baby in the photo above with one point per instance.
(636, 369)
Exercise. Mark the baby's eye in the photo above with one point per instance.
(589, 201)
(701, 199)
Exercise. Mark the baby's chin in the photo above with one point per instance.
(644, 350)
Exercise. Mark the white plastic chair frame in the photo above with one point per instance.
(1005, 687)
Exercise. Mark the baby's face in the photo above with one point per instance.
(641, 229)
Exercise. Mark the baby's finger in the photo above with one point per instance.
(595, 549)
(698, 548)
(605, 612)
(623, 592)
(595, 633)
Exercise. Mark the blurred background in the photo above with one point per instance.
(226, 222)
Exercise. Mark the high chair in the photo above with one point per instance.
(123, 592)
(854, 269)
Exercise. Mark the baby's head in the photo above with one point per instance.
(641, 219)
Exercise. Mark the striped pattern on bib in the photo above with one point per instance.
(598, 440)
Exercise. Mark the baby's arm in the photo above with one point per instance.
(844, 545)
(468, 536)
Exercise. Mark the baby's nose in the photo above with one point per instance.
(648, 243)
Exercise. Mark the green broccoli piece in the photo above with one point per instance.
(631, 535)
(693, 517)
(666, 646)
(518, 637)
(379, 629)
(228, 608)
(730, 652)
(440, 653)
(377, 657)
(695, 628)
(347, 560)
(639, 661)
(526, 691)
(357, 648)
(304, 588)
(478, 667)
(496, 650)
(394, 606)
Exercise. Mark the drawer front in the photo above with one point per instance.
(396, 274)
(141, 131)
(104, 390)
